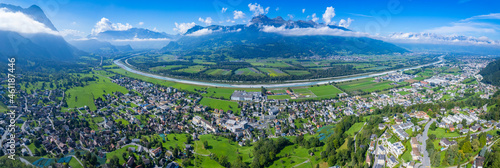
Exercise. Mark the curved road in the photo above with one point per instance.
(214, 84)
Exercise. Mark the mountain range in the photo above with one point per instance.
(261, 37)
(252, 40)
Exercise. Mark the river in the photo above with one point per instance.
(298, 84)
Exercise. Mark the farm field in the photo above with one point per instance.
(303, 92)
(323, 91)
(278, 97)
(193, 69)
(218, 72)
(84, 96)
(164, 67)
(273, 72)
(297, 72)
(404, 93)
(248, 71)
(256, 69)
(365, 85)
(220, 104)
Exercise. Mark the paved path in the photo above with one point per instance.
(25, 161)
(356, 135)
(307, 161)
(28, 149)
(426, 161)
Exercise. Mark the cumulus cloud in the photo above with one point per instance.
(257, 9)
(183, 27)
(224, 10)
(328, 15)
(312, 31)
(104, 25)
(238, 15)
(303, 10)
(201, 32)
(290, 16)
(21, 23)
(141, 23)
(314, 18)
(207, 21)
(345, 23)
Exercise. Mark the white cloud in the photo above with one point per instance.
(224, 10)
(345, 23)
(141, 23)
(183, 27)
(277, 8)
(143, 39)
(433, 38)
(71, 32)
(328, 15)
(21, 23)
(469, 27)
(303, 10)
(314, 18)
(207, 21)
(201, 32)
(257, 9)
(290, 16)
(312, 31)
(238, 15)
(488, 16)
(104, 25)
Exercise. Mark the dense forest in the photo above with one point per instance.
(491, 74)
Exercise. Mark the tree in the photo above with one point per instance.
(205, 144)
(433, 126)
(189, 138)
(223, 161)
(466, 147)
(475, 145)
(186, 162)
(239, 163)
(432, 136)
(482, 139)
(436, 159)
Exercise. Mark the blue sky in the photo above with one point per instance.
(462, 17)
